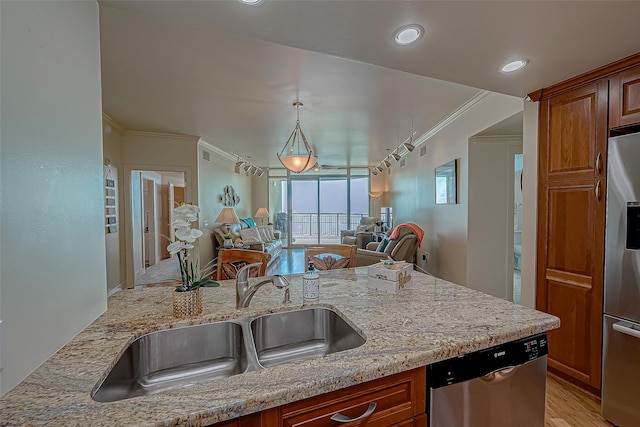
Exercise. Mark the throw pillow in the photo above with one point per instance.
(249, 221)
(383, 244)
(272, 235)
(251, 235)
(264, 234)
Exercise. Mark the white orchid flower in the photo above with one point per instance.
(187, 212)
(188, 235)
(176, 247)
(180, 223)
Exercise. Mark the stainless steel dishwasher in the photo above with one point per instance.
(496, 387)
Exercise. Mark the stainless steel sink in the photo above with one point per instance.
(301, 334)
(174, 358)
(179, 357)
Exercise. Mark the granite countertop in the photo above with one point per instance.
(432, 321)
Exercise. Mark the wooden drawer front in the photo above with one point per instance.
(624, 109)
(398, 398)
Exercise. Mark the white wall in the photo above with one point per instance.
(112, 151)
(529, 202)
(412, 187)
(491, 206)
(213, 175)
(52, 254)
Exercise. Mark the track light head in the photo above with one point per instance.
(247, 167)
(409, 146)
(387, 163)
(379, 168)
(396, 156)
(374, 172)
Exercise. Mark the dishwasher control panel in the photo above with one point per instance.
(484, 362)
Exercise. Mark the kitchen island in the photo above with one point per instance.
(432, 321)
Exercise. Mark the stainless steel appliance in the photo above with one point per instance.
(621, 323)
(502, 386)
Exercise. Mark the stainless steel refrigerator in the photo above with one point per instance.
(621, 346)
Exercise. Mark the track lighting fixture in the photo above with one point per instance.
(374, 172)
(246, 166)
(397, 154)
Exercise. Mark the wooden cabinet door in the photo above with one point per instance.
(573, 133)
(570, 274)
(624, 107)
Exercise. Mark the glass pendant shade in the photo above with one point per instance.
(297, 160)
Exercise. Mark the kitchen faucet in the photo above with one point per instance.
(246, 291)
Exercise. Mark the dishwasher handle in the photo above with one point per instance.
(623, 329)
(499, 375)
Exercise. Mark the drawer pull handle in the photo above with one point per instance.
(599, 163)
(339, 418)
(598, 191)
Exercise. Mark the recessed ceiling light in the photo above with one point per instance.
(252, 2)
(514, 66)
(408, 34)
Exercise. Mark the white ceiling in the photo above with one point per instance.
(229, 72)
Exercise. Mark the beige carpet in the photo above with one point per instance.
(166, 270)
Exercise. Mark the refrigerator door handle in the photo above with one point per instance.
(620, 327)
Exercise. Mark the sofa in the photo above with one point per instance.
(256, 238)
(362, 235)
(403, 248)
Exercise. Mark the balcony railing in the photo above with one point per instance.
(330, 224)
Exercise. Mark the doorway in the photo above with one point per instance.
(154, 194)
(517, 228)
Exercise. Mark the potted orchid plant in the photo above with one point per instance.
(187, 299)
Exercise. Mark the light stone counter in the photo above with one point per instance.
(435, 320)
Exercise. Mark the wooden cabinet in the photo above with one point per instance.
(624, 107)
(576, 118)
(571, 216)
(573, 133)
(570, 274)
(397, 400)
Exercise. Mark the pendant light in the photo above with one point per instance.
(299, 161)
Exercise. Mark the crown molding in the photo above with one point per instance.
(216, 150)
(451, 117)
(496, 139)
(106, 118)
(159, 135)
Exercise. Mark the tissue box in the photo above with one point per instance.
(389, 278)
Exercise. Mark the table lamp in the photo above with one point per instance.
(227, 217)
(262, 213)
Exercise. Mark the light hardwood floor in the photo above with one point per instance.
(570, 406)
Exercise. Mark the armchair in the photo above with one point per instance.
(362, 235)
(402, 248)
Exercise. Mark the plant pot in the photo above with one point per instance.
(228, 244)
(187, 304)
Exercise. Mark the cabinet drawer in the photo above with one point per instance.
(398, 398)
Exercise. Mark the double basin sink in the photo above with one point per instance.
(178, 357)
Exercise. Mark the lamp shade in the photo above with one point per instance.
(262, 213)
(227, 216)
